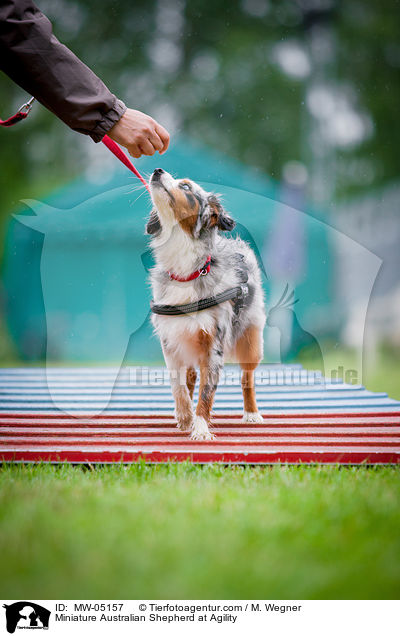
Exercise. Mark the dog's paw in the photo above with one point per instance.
(252, 418)
(184, 419)
(184, 427)
(184, 423)
(201, 437)
(200, 430)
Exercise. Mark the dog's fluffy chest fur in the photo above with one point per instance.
(180, 333)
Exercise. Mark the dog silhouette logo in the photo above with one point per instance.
(26, 615)
(96, 294)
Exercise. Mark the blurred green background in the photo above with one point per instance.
(293, 100)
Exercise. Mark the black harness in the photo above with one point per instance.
(237, 294)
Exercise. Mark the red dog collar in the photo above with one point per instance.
(203, 271)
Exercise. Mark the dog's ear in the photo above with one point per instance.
(153, 224)
(219, 216)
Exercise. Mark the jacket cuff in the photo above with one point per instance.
(108, 120)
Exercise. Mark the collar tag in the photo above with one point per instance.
(203, 271)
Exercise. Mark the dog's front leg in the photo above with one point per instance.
(209, 376)
(210, 368)
(180, 391)
(183, 402)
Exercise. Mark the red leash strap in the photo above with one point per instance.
(24, 111)
(21, 114)
(116, 150)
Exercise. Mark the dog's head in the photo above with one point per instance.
(183, 202)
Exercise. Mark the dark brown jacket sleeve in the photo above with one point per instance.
(33, 57)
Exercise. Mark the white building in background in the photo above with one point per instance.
(374, 222)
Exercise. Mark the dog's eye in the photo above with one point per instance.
(185, 186)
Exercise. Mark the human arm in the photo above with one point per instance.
(33, 57)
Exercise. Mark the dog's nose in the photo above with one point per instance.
(157, 174)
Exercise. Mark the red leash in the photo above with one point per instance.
(24, 111)
(116, 150)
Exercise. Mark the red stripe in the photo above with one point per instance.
(222, 433)
(171, 423)
(216, 416)
(179, 442)
(343, 438)
(203, 457)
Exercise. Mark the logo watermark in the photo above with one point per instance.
(94, 274)
(26, 615)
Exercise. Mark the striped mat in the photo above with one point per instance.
(305, 419)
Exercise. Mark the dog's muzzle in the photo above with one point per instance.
(156, 176)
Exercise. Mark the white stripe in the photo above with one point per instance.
(35, 395)
(129, 369)
(98, 387)
(73, 396)
(145, 411)
(239, 427)
(263, 405)
(112, 372)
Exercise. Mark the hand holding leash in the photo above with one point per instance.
(139, 134)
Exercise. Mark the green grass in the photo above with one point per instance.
(183, 531)
(380, 372)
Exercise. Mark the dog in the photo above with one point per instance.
(196, 263)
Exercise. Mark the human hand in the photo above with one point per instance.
(139, 134)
